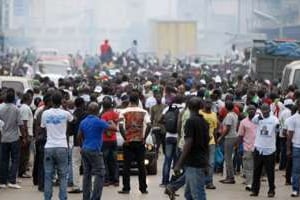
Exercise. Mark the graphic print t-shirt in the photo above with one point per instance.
(135, 120)
(55, 121)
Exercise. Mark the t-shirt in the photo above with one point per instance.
(11, 117)
(231, 120)
(135, 120)
(150, 101)
(286, 113)
(265, 139)
(294, 125)
(92, 129)
(110, 136)
(55, 121)
(26, 115)
(247, 130)
(198, 129)
(212, 120)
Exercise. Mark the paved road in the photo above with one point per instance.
(223, 192)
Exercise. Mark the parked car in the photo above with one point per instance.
(19, 84)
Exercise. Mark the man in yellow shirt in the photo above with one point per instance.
(212, 120)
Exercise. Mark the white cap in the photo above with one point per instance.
(98, 89)
(218, 79)
(228, 71)
(268, 82)
(288, 102)
(203, 82)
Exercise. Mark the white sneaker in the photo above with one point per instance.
(14, 186)
(3, 186)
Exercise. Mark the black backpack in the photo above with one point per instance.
(171, 118)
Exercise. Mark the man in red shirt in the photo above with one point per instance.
(106, 52)
(109, 147)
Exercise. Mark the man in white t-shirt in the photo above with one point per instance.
(293, 142)
(27, 118)
(265, 148)
(55, 122)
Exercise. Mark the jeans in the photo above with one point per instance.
(9, 152)
(134, 151)
(228, 151)
(93, 165)
(55, 158)
(288, 170)
(159, 140)
(268, 163)
(176, 185)
(76, 162)
(296, 169)
(70, 168)
(211, 164)
(248, 166)
(24, 158)
(109, 150)
(283, 157)
(194, 184)
(170, 155)
(38, 168)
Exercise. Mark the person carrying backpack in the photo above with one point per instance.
(170, 117)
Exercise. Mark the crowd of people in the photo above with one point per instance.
(61, 130)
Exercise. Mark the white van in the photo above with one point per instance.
(291, 75)
(19, 84)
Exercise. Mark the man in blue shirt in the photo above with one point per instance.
(90, 135)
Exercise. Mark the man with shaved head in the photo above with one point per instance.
(264, 149)
(90, 135)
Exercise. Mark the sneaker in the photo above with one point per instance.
(123, 192)
(3, 186)
(271, 194)
(75, 191)
(144, 192)
(14, 186)
(248, 188)
(227, 181)
(25, 176)
(295, 194)
(170, 193)
(211, 187)
(253, 194)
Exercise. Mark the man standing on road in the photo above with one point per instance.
(134, 126)
(293, 142)
(265, 148)
(79, 115)
(212, 120)
(195, 152)
(247, 132)
(90, 135)
(55, 120)
(230, 126)
(27, 118)
(10, 141)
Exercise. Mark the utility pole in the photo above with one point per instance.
(239, 13)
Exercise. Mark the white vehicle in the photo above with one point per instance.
(19, 84)
(54, 69)
(291, 75)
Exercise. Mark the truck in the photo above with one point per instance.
(174, 37)
(265, 66)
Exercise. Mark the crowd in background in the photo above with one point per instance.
(195, 115)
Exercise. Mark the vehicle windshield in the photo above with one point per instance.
(17, 86)
(297, 78)
(53, 69)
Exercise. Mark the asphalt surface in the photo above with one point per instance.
(223, 192)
